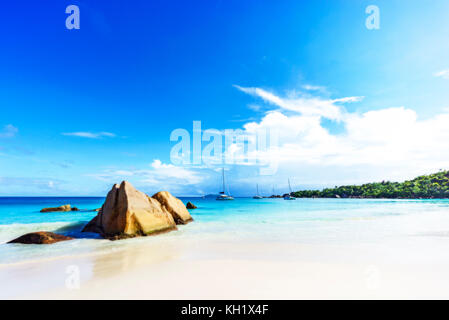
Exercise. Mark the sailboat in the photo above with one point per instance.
(289, 196)
(223, 195)
(257, 196)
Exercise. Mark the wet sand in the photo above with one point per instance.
(231, 270)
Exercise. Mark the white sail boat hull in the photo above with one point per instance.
(223, 196)
(289, 196)
(257, 196)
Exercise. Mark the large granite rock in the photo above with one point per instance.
(128, 212)
(64, 208)
(175, 206)
(40, 237)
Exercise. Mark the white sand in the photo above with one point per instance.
(216, 270)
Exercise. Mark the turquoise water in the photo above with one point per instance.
(321, 221)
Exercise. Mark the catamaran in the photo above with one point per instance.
(257, 196)
(289, 196)
(222, 195)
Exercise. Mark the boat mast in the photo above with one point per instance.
(289, 186)
(224, 191)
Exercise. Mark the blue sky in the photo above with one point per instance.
(82, 109)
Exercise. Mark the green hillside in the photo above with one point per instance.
(429, 186)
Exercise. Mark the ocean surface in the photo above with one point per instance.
(308, 221)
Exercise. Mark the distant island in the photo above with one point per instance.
(433, 186)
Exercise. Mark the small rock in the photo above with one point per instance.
(75, 209)
(190, 205)
(65, 208)
(40, 237)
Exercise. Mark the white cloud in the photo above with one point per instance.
(11, 184)
(8, 131)
(442, 74)
(254, 107)
(304, 104)
(348, 99)
(166, 171)
(382, 144)
(90, 135)
(309, 87)
(159, 176)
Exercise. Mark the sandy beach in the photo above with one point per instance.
(218, 270)
(266, 249)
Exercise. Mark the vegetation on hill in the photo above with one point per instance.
(428, 186)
